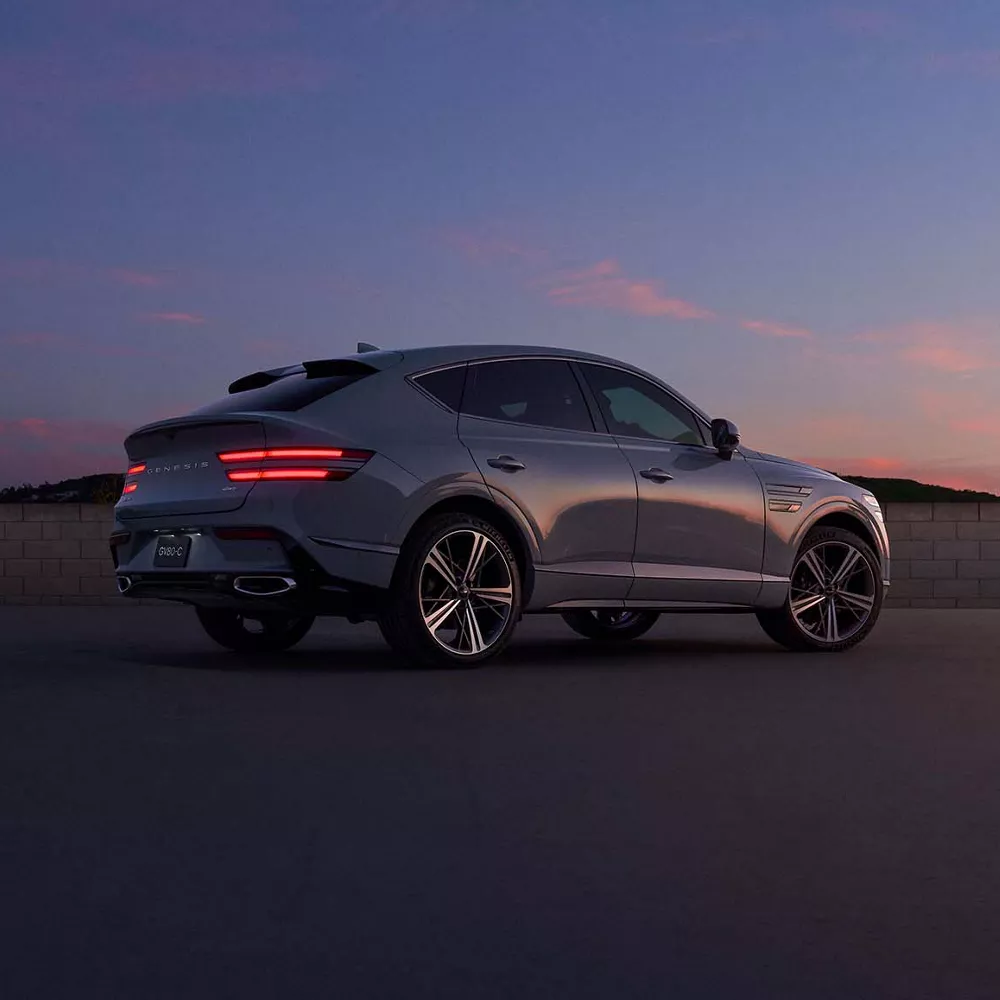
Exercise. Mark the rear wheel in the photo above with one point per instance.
(835, 595)
(456, 594)
(610, 626)
(264, 632)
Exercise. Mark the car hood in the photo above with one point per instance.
(760, 456)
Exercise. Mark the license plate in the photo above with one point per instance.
(172, 550)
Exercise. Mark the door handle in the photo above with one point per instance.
(505, 462)
(656, 474)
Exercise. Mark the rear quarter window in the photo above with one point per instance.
(445, 386)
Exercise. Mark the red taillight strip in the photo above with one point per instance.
(253, 475)
(263, 454)
(130, 487)
(134, 470)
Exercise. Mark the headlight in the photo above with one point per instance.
(873, 503)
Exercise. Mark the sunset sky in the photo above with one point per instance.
(788, 210)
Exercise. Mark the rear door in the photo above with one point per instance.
(530, 430)
(700, 531)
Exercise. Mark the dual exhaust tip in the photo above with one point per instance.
(252, 586)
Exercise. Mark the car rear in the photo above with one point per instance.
(223, 507)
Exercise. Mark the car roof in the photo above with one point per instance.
(416, 359)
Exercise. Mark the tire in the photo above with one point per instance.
(274, 632)
(610, 626)
(803, 622)
(437, 570)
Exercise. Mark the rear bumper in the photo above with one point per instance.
(286, 574)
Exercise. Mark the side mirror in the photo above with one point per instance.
(725, 437)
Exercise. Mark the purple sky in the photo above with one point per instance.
(788, 210)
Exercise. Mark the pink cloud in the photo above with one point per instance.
(485, 248)
(944, 358)
(956, 475)
(972, 62)
(173, 317)
(41, 270)
(137, 279)
(864, 20)
(769, 329)
(31, 338)
(957, 347)
(604, 286)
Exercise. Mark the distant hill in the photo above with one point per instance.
(101, 488)
(910, 491)
(107, 487)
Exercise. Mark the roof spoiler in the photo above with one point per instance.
(322, 368)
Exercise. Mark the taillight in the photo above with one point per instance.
(253, 475)
(119, 538)
(332, 464)
(134, 470)
(269, 454)
(130, 488)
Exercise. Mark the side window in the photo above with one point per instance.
(544, 393)
(634, 407)
(445, 385)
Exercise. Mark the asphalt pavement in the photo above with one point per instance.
(699, 814)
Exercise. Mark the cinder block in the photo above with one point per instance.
(934, 531)
(22, 531)
(98, 586)
(932, 569)
(20, 599)
(107, 566)
(95, 550)
(54, 586)
(896, 603)
(11, 550)
(912, 588)
(49, 600)
(987, 531)
(11, 586)
(11, 512)
(52, 550)
(909, 512)
(989, 550)
(50, 567)
(52, 530)
(989, 588)
(913, 550)
(80, 567)
(52, 512)
(979, 569)
(22, 567)
(899, 531)
(956, 512)
(900, 569)
(979, 602)
(956, 588)
(933, 602)
(89, 530)
(989, 512)
(97, 512)
(956, 550)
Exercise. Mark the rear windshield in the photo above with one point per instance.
(292, 392)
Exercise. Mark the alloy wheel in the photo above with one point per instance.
(832, 592)
(466, 592)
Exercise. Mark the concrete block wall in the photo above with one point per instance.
(944, 555)
(57, 554)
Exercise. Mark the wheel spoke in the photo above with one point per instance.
(473, 633)
(443, 567)
(806, 603)
(858, 603)
(816, 567)
(500, 595)
(832, 630)
(437, 618)
(480, 543)
(846, 567)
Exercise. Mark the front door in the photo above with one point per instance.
(700, 530)
(529, 429)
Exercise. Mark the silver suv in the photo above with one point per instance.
(444, 492)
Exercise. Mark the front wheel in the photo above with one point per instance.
(834, 598)
(610, 626)
(265, 632)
